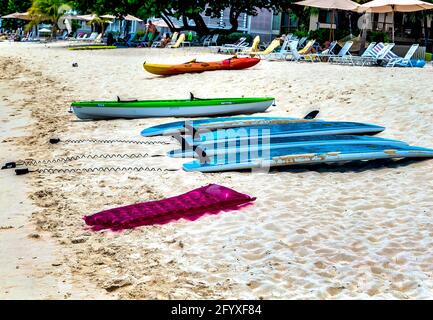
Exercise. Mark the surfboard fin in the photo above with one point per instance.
(190, 130)
(203, 158)
(311, 115)
(183, 143)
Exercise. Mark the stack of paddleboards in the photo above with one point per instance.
(236, 143)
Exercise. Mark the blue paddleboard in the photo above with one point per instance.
(312, 154)
(232, 146)
(294, 129)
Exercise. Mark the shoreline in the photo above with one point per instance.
(32, 262)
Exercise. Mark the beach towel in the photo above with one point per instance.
(210, 199)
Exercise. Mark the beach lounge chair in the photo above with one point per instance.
(343, 54)
(307, 48)
(80, 36)
(63, 36)
(296, 55)
(325, 54)
(377, 54)
(203, 40)
(188, 39)
(173, 40)
(145, 40)
(357, 60)
(179, 42)
(233, 47)
(92, 37)
(127, 41)
(282, 53)
(302, 41)
(211, 41)
(402, 61)
(271, 47)
(254, 47)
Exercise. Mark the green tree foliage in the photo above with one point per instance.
(12, 6)
(184, 10)
(115, 7)
(48, 10)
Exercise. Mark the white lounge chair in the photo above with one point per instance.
(378, 53)
(302, 41)
(343, 54)
(329, 52)
(357, 60)
(254, 47)
(92, 37)
(301, 55)
(211, 40)
(402, 61)
(232, 47)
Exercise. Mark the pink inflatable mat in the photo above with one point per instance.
(210, 199)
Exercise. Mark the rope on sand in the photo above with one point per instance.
(91, 170)
(32, 162)
(56, 140)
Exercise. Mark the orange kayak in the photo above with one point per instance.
(196, 66)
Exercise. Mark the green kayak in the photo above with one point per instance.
(192, 107)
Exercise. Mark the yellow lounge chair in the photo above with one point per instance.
(307, 47)
(179, 41)
(254, 47)
(272, 46)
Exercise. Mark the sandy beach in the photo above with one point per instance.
(330, 233)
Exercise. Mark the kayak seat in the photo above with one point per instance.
(126, 100)
(192, 98)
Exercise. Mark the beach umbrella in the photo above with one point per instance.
(162, 24)
(391, 6)
(44, 30)
(18, 15)
(129, 17)
(108, 16)
(330, 5)
(87, 17)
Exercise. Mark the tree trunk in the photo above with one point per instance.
(200, 26)
(167, 20)
(54, 29)
(234, 20)
(363, 35)
(426, 35)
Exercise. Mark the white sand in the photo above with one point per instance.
(329, 233)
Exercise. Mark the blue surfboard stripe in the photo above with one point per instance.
(179, 125)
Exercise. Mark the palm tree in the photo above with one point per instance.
(99, 21)
(48, 10)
